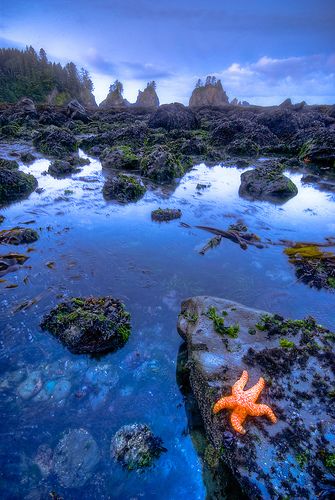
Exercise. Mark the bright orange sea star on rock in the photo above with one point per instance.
(243, 403)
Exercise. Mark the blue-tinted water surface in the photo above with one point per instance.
(97, 248)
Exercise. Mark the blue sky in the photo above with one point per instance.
(263, 51)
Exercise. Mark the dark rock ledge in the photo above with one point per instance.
(294, 458)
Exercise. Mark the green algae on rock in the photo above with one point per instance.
(313, 266)
(89, 324)
(300, 379)
(123, 188)
(14, 185)
(161, 165)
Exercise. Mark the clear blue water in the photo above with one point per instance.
(101, 248)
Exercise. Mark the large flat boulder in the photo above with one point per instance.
(294, 457)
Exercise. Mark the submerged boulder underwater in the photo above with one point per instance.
(89, 325)
(135, 446)
(290, 458)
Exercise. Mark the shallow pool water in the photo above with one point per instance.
(97, 248)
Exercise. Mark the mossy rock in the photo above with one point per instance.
(166, 214)
(89, 324)
(62, 168)
(161, 165)
(55, 141)
(121, 157)
(8, 164)
(14, 185)
(123, 188)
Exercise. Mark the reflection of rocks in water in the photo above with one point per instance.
(135, 446)
(75, 457)
(217, 477)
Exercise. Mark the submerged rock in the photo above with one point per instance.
(297, 360)
(75, 457)
(161, 165)
(267, 182)
(18, 236)
(166, 214)
(54, 141)
(11, 262)
(89, 325)
(30, 386)
(135, 446)
(14, 185)
(173, 116)
(123, 188)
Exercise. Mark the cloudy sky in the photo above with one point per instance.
(263, 50)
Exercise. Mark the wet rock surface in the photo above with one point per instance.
(55, 141)
(173, 116)
(89, 325)
(14, 185)
(18, 236)
(267, 182)
(61, 168)
(292, 457)
(123, 188)
(166, 214)
(135, 446)
(75, 458)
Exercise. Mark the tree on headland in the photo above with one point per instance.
(152, 85)
(24, 73)
(116, 87)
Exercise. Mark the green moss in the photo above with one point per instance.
(219, 326)
(286, 344)
(124, 332)
(192, 318)
(330, 460)
(306, 149)
(302, 459)
(331, 282)
(211, 456)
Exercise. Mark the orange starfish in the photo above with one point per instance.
(243, 403)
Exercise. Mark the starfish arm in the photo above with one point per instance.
(260, 410)
(255, 391)
(237, 418)
(240, 384)
(228, 403)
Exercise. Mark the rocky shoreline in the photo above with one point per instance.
(293, 457)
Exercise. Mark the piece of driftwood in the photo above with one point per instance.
(212, 243)
(242, 239)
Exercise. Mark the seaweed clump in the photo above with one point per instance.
(219, 323)
(89, 325)
(313, 266)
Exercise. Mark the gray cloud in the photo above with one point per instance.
(139, 71)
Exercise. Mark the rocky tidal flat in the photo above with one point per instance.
(111, 218)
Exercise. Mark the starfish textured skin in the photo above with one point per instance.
(243, 403)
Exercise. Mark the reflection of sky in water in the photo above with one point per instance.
(102, 248)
